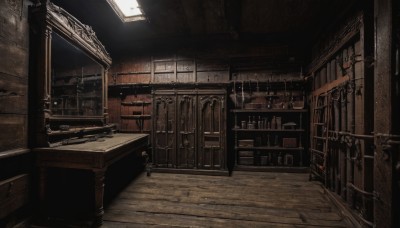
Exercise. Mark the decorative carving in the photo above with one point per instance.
(76, 29)
(14, 5)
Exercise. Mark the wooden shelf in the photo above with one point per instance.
(269, 110)
(329, 86)
(212, 70)
(269, 148)
(164, 72)
(130, 73)
(80, 96)
(292, 132)
(288, 82)
(169, 84)
(268, 130)
(136, 116)
(135, 103)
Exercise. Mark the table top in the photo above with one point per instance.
(102, 145)
(92, 155)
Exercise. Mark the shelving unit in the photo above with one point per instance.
(137, 111)
(269, 144)
(189, 130)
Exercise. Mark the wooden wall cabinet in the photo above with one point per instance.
(189, 129)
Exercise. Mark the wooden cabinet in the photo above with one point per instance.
(189, 129)
(211, 131)
(268, 126)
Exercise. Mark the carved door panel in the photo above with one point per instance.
(211, 128)
(186, 131)
(164, 131)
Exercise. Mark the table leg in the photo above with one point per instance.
(99, 193)
(42, 191)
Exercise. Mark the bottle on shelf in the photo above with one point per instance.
(280, 159)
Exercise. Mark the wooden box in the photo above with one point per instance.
(289, 142)
(14, 193)
(246, 161)
(246, 153)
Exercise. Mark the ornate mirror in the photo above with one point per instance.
(76, 82)
(69, 74)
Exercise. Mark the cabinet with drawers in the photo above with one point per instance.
(189, 129)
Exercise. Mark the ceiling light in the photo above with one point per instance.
(127, 10)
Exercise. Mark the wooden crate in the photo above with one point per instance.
(289, 142)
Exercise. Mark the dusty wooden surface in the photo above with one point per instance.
(246, 199)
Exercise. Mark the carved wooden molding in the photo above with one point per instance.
(15, 5)
(76, 31)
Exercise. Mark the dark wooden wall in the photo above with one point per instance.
(354, 130)
(14, 67)
(15, 162)
(341, 137)
(133, 78)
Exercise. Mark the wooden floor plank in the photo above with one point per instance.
(246, 199)
(233, 213)
(176, 220)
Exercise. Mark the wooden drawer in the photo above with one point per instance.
(14, 193)
(246, 153)
(246, 143)
(246, 161)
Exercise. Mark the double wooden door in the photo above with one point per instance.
(189, 129)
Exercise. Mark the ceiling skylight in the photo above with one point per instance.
(127, 10)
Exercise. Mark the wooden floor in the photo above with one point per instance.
(246, 199)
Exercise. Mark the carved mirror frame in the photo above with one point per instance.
(45, 20)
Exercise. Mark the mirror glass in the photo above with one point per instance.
(76, 81)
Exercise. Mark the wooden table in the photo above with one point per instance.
(96, 156)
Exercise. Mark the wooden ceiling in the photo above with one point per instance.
(175, 23)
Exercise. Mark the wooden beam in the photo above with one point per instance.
(383, 162)
(329, 86)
